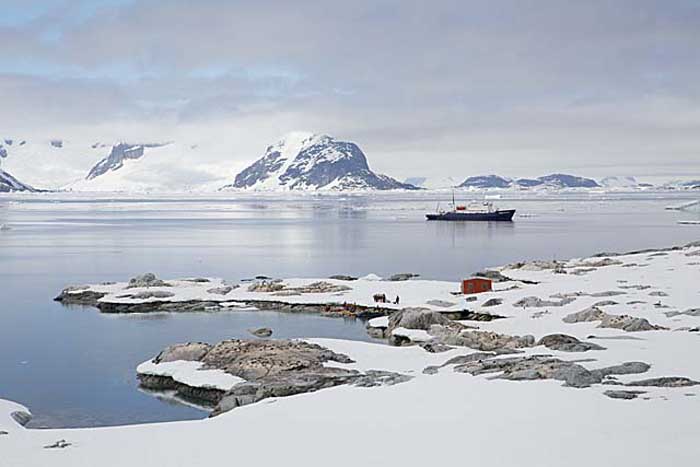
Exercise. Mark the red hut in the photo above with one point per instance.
(476, 285)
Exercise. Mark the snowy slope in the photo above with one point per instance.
(154, 168)
(49, 164)
(306, 161)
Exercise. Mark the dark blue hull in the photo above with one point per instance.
(501, 216)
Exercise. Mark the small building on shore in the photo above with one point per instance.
(476, 285)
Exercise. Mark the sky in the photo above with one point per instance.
(426, 88)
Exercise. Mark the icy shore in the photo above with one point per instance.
(594, 361)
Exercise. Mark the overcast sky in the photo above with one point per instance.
(424, 87)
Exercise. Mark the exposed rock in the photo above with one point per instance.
(434, 347)
(495, 276)
(622, 394)
(536, 302)
(278, 287)
(224, 290)
(599, 263)
(565, 343)
(691, 312)
(624, 322)
(418, 318)
(476, 356)
(440, 303)
(146, 294)
(374, 378)
(146, 280)
(480, 340)
(271, 368)
(665, 382)
(261, 332)
(628, 323)
(607, 293)
(403, 277)
(532, 368)
(198, 280)
(191, 351)
(266, 287)
(84, 297)
(635, 287)
(342, 277)
(492, 302)
(21, 417)
(658, 294)
(605, 303)
(627, 368)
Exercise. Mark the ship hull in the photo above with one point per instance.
(497, 216)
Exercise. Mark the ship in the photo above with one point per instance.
(484, 211)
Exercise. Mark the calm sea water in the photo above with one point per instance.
(75, 367)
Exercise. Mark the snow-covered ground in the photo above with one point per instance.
(449, 416)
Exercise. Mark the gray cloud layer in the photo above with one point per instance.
(519, 86)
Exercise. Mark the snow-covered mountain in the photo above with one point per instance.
(155, 167)
(486, 181)
(619, 182)
(49, 163)
(568, 181)
(546, 181)
(9, 183)
(59, 164)
(115, 160)
(306, 161)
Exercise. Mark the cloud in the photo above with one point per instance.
(486, 86)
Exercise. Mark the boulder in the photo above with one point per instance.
(565, 343)
(261, 332)
(404, 276)
(622, 394)
(146, 280)
(417, 318)
(192, 351)
(492, 302)
(589, 314)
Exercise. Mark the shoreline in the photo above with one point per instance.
(636, 370)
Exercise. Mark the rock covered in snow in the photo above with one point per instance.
(115, 159)
(305, 161)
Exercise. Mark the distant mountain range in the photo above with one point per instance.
(298, 162)
(553, 180)
(306, 161)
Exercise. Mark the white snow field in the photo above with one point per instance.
(449, 417)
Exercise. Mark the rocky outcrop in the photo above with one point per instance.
(535, 367)
(146, 280)
(665, 382)
(622, 394)
(536, 302)
(270, 368)
(480, 340)
(565, 343)
(624, 322)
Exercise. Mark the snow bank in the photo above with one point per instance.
(191, 374)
